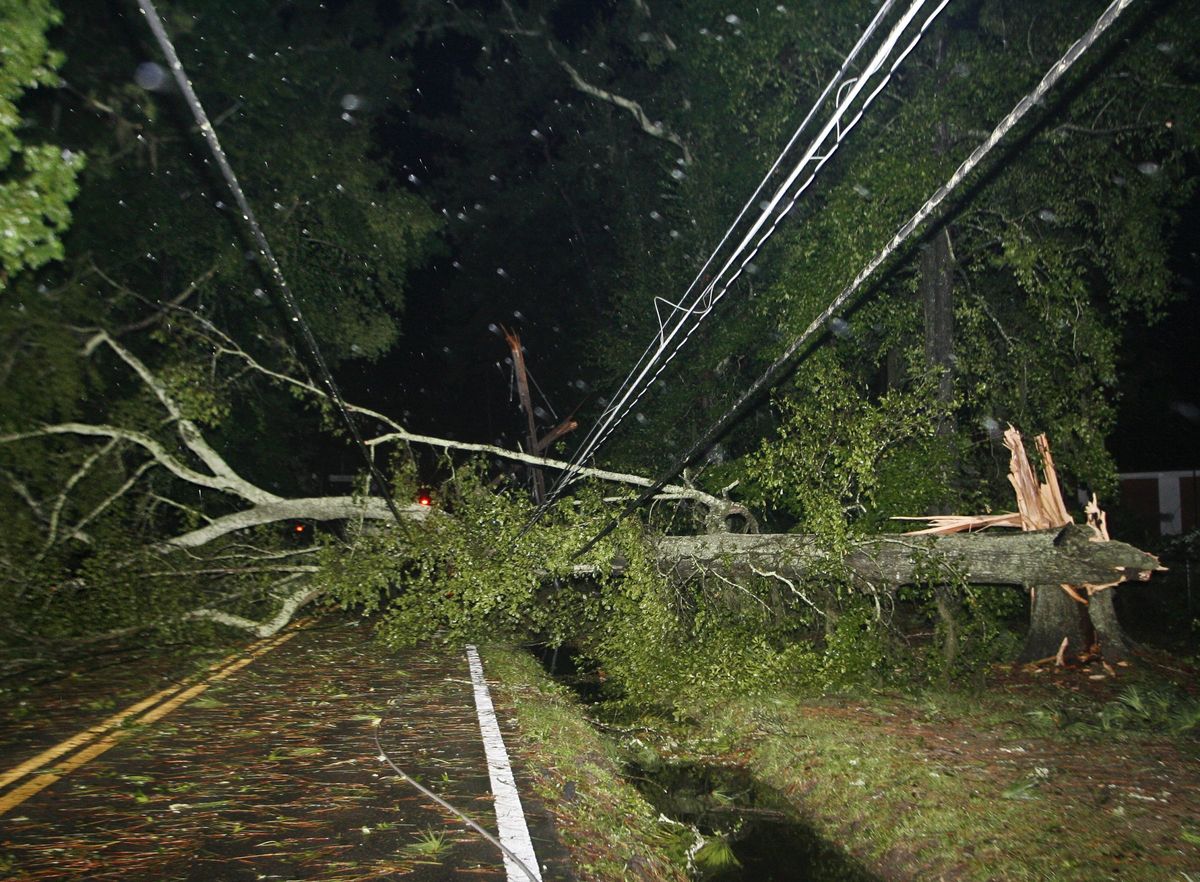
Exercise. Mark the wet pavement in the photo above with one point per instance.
(272, 772)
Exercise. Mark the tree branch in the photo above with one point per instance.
(192, 437)
(318, 508)
(650, 127)
(299, 598)
(236, 487)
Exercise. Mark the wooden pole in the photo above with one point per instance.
(518, 357)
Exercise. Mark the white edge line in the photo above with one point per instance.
(510, 817)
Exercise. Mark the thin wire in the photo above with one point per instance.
(812, 112)
(448, 807)
(787, 360)
(708, 299)
(621, 405)
(779, 216)
(210, 135)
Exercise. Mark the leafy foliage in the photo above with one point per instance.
(37, 181)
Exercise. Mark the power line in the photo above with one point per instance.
(632, 391)
(787, 360)
(812, 112)
(264, 249)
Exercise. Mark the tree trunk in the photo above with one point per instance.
(1053, 616)
(937, 300)
(1114, 645)
(949, 611)
(1038, 557)
(1047, 559)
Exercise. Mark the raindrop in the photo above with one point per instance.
(645, 37)
(674, 234)
(862, 191)
(840, 328)
(517, 315)
(781, 9)
(990, 425)
(413, 179)
(493, 179)
(1149, 169)
(355, 348)
(347, 118)
(764, 205)
(456, 264)
(1119, 180)
(580, 385)
(501, 272)
(752, 269)
(539, 412)
(733, 20)
(340, 188)
(151, 76)
(962, 70)
(641, 418)
(678, 174)
(1165, 48)
(1048, 216)
(494, 328)
(536, 134)
(351, 102)
(260, 293)
(462, 215)
(654, 215)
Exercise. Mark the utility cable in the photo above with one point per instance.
(713, 296)
(621, 405)
(788, 359)
(833, 83)
(706, 301)
(448, 807)
(264, 249)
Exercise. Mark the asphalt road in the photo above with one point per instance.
(265, 767)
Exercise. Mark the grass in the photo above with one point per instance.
(610, 831)
(430, 844)
(970, 786)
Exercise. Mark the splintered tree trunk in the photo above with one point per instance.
(1053, 616)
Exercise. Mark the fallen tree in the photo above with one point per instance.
(1059, 563)
(1041, 561)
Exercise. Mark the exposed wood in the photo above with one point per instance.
(1040, 502)
(535, 446)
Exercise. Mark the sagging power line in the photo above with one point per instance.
(788, 359)
(684, 320)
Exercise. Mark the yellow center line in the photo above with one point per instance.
(216, 672)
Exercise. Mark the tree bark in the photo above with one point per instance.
(1054, 616)
(1114, 645)
(1043, 557)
